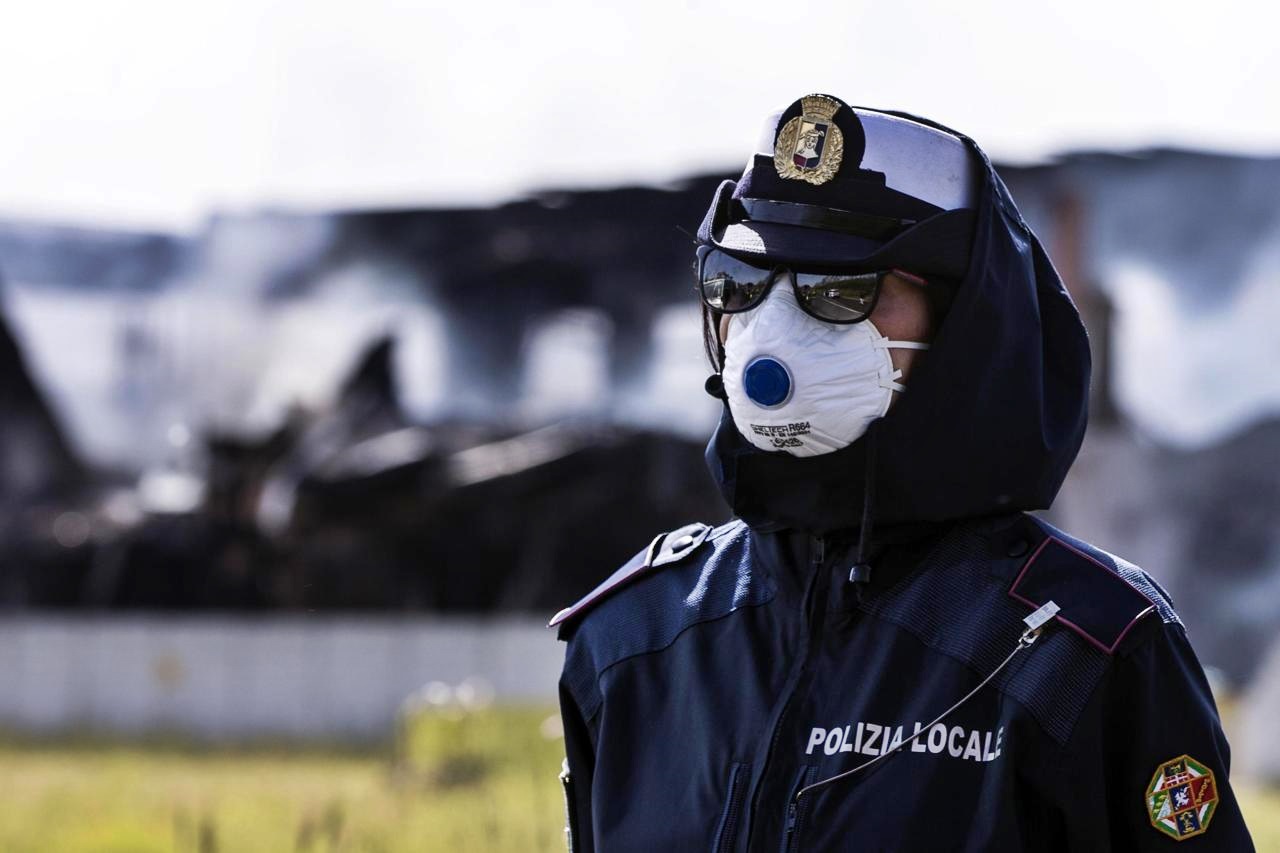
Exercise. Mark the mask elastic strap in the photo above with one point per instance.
(890, 383)
(885, 343)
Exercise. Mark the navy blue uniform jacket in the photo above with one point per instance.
(721, 671)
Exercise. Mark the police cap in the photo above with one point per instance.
(831, 185)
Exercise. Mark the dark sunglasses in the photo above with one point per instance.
(731, 286)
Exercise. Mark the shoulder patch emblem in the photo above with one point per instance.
(1182, 797)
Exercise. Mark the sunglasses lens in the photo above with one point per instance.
(838, 298)
(729, 285)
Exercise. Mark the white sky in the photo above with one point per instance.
(154, 113)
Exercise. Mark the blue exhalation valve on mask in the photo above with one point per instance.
(801, 386)
(767, 382)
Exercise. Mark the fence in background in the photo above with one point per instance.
(227, 677)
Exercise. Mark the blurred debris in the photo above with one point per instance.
(44, 531)
(354, 506)
(333, 411)
(36, 461)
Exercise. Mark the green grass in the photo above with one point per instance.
(1261, 807)
(483, 782)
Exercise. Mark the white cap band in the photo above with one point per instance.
(918, 160)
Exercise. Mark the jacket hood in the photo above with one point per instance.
(992, 417)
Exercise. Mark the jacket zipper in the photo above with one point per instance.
(733, 809)
(792, 842)
(817, 556)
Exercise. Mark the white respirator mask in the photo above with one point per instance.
(797, 384)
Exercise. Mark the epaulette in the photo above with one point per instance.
(1094, 600)
(665, 549)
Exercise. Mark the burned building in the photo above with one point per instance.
(413, 474)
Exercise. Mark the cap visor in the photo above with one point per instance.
(939, 245)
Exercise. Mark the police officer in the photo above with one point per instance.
(884, 651)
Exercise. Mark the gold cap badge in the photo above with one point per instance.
(810, 146)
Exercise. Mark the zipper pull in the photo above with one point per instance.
(819, 550)
(791, 821)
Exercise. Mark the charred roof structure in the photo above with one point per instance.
(358, 497)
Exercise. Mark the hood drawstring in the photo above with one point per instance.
(860, 574)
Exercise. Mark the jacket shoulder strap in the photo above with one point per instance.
(1095, 601)
(665, 549)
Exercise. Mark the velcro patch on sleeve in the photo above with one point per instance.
(1095, 602)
